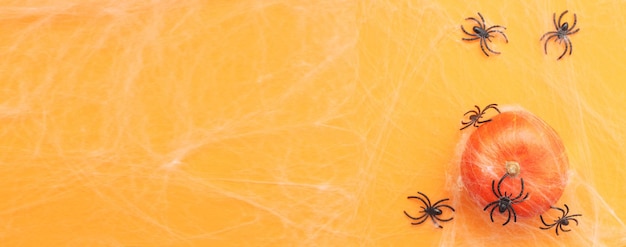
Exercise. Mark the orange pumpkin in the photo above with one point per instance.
(524, 146)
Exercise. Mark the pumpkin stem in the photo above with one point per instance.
(512, 168)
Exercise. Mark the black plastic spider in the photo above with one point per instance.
(474, 119)
(561, 221)
(432, 211)
(483, 33)
(505, 202)
(561, 34)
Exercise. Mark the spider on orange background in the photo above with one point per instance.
(483, 33)
(474, 118)
(430, 211)
(561, 221)
(561, 34)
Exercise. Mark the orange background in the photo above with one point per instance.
(290, 123)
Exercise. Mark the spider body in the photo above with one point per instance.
(505, 201)
(483, 33)
(562, 32)
(476, 115)
(560, 221)
(432, 211)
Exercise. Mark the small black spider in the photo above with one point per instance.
(561, 34)
(505, 202)
(432, 211)
(474, 119)
(483, 33)
(561, 221)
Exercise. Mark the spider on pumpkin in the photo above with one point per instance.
(505, 201)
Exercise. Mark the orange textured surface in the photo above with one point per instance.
(291, 122)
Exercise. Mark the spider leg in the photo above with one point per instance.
(496, 26)
(545, 45)
(556, 229)
(470, 39)
(521, 192)
(491, 203)
(561, 17)
(559, 210)
(575, 215)
(444, 220)
(415, 197)
(563, 229)
(476, 123)
(483, 19)
(575, 220)
(509, 217)
(497, 31)
(500, 183)
(435, 222)
(492, 106)
(565, 51)
(468, 125)
(542, 221)
(554, 20)
(493, 189)
(573, 25)
(440, 201)
(482, 122)
(565, 212)
(515, 200)
(470, 122)
(475, 114)
(477, 22)
(428, 205)
(546, 34)
(571, 46)
(466, 32)
(573, 32)
(481, 46)
(514, 214)
(477, 108)
(414, 218)
(491, 214)
(472, 111)
(446, 206)
(421, 221)
(491, 49)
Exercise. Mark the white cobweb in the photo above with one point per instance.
(193, 123)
